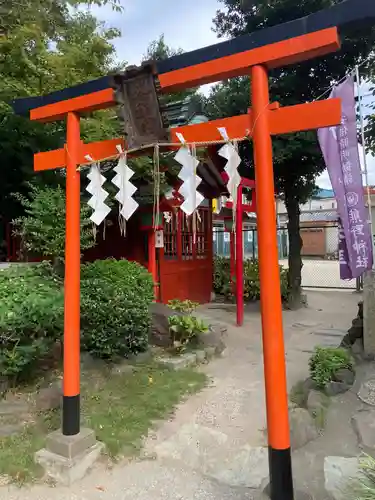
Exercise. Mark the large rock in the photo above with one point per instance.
(338, 472)
(302, 428)
(215, 454)
(364, 425)
(214, 339)
(345, 376)
(334, 388)
(316, 402)
(159, 333)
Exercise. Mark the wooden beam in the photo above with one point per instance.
(309, 116)
(50, 160)
(273, 55)
(282, 121)
(82, 104)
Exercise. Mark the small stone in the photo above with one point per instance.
(338, 471)
(302, 428)
(5, 480)
(201, 356)
(10, 430)
(345, 375)
(49, 398)
(214, 339)
(179, 362)
(122, 369)
(364, 425)
(141, 357)
(366, 392)
(334, 388)
(316, 402)
(210, 352)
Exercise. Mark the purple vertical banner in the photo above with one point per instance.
(339, 146)
(345, 271)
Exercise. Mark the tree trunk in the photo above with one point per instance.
(295, 246)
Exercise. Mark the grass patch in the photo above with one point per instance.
(120, 408)
(17, 452)
(298, 394)
(123, 408)
(320, 414)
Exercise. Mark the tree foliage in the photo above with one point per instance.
(297, 158)
(45, 45)
(42, 227)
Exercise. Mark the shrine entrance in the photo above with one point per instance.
(185, 261)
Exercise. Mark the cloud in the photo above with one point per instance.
(324, 182)
(143, 21)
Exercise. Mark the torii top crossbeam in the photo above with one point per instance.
(254, 54)
(280, 45)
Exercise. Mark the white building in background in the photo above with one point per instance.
(318, 224)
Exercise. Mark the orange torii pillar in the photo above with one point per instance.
(262, 121)
(71, 156)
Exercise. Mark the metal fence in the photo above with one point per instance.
(319, 253)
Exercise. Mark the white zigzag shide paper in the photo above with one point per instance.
(229, 152)
(191, 181)
(126, 189)
(99, 195)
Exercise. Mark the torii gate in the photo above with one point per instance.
(253, 54)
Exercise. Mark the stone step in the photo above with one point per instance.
(215, 455)
(330, 332)
(7, 430)
(16, 408)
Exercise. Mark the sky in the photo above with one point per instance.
(186, 25)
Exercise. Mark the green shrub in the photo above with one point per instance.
(185, 331)
(325, 362)
(31, 317)
(115, 300)
(222, 283)
(184, 306)
(363, 487)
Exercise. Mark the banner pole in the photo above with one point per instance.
(362, 125)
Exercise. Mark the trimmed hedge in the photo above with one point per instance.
(115, 316)
(31, 317)
(115, 301)
(222, 282)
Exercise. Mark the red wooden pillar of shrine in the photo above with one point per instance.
(239, 258)
(232, 261)
(152, 264)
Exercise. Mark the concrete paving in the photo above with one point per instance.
(214, 446)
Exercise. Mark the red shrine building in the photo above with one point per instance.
(182, 263)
